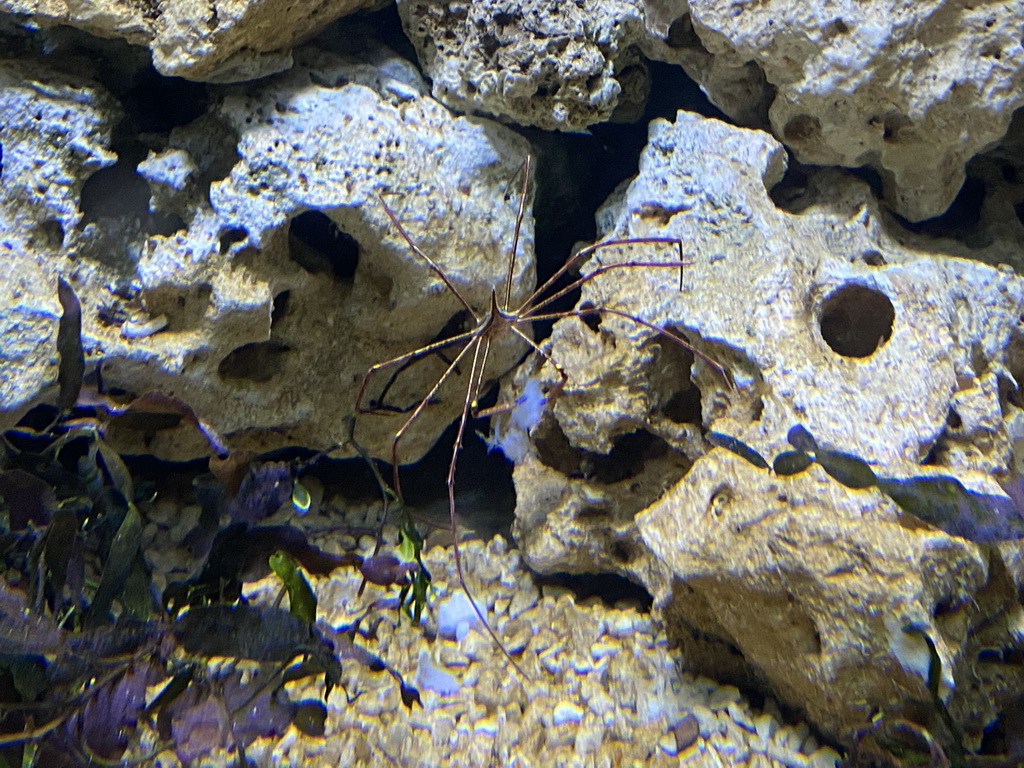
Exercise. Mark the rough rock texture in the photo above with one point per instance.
(822, 318)
(813, 583)
(218, 41)
(913, 90)
(270, 328)
(558, 66)
(54, 134)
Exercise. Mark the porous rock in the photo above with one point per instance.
(220, 41)
(822, 318)
(913, 90)
(55, 134)
(557, 66)
(265, 339)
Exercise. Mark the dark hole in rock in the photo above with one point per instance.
(52, 232)
(610, 587)
(873, 258)
(258, 362)
(682, 35)
(1019, 210)
(317, 245)
(684, 406)
(230, 237)
(623, 551)
(626, 458)
(115, 191)
(962, 220)
(166, 224)
(590, 317)
(156, 104)
(856, 320)
(280, 307)
(953, 419)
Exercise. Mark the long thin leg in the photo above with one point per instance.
(590, 250)
(430, 262)
(406, 358)
(476, 381)
(419, 409)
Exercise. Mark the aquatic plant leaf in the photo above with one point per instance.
(301, 598)
(847, 469)
(58, 548)
(29, 675)
(311, 717)
(741, 449)
(801, 439)
(154, 411)
(791, 463)
(120, 477)
(944, 502)
(243, 631)
(71, 370)
(387, 570)
(300, 498)
(123, 550)
(264, 489)
(174, 688)
(29, 499)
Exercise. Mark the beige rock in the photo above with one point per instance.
(329, 137)
(557, 66)
(911, 89)
(823, 319)
(220, 41)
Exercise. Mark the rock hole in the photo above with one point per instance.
(257, 362)
(318, 245)
(280, 307)
(231, 237)
(623, 551)
(627, 458)
(893, 124)
(856, 320)
(114, 192)
(52, 233)
(873, 258)
(682, 35)
(590, 316)
(156, 104)
(609, 587)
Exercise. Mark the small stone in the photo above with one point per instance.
(588, 739)
(824, 757)
(741, 717)
(686, 732)
(566, 712)
(668, 744)
(722, 697)
(705, 720)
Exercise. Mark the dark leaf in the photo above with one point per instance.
(945, 503)
(69, 346)
(410, 696)
(120, 477)
(801, 439)
(741, 449)
(264, 489)
(29, 675)
(123, 550)
(172, 690)
(243, 631)
(387, 570)
(311, 717)
(58, 548)
(29, 499)
(847, 469)
(153, 411)
(791, 463)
